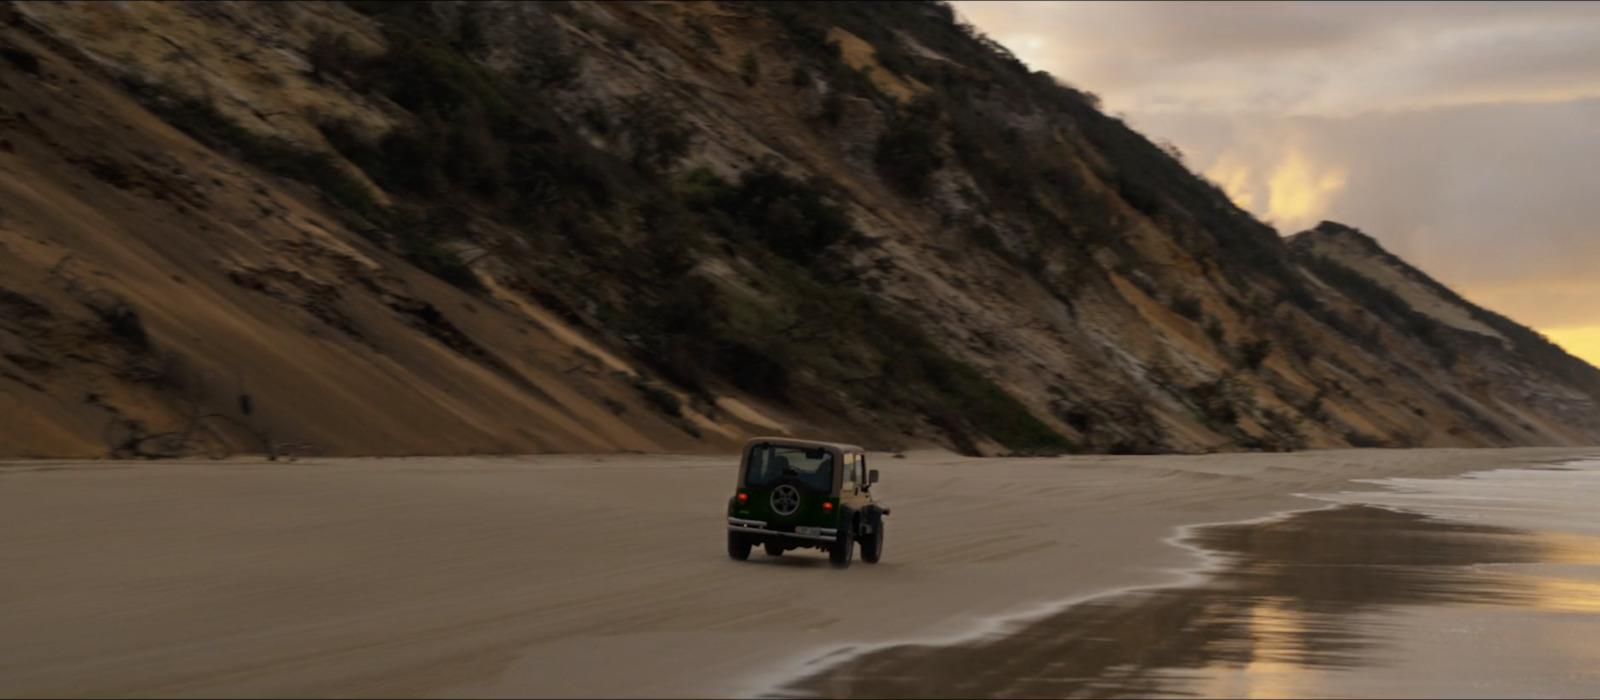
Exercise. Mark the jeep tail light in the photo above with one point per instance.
(743, 497)
(827, 505)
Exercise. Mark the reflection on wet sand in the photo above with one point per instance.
(1295, 597)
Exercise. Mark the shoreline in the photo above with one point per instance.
(1208, 562)
(1272, 610)
(1205, 564)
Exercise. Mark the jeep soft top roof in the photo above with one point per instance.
(797, 442)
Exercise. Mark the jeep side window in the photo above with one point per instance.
(766, 465)
(821, 479)
(756, 473)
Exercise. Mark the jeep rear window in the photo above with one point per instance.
(768, 463)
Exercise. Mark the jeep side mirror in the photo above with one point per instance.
(872, 476)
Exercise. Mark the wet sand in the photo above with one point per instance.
(1352, 600)
(604, 576)
(1300, 595)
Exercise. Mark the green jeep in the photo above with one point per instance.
(799, 493)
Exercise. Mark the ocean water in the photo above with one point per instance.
(1484, 585)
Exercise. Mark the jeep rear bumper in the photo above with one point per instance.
(759, 527)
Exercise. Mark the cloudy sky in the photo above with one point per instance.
(1464, 136)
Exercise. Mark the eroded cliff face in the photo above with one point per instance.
(144, 275)
(1498, 379)
(453, 227)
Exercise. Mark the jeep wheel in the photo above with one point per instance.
(844, 548)
(774, 549)
(872, 545)
(738, 546)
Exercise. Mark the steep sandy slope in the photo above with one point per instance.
(863, 220)
(1505, 380)
(139, 269)
(1118, 365)
(1357, 251)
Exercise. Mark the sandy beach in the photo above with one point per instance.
(576, 576)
